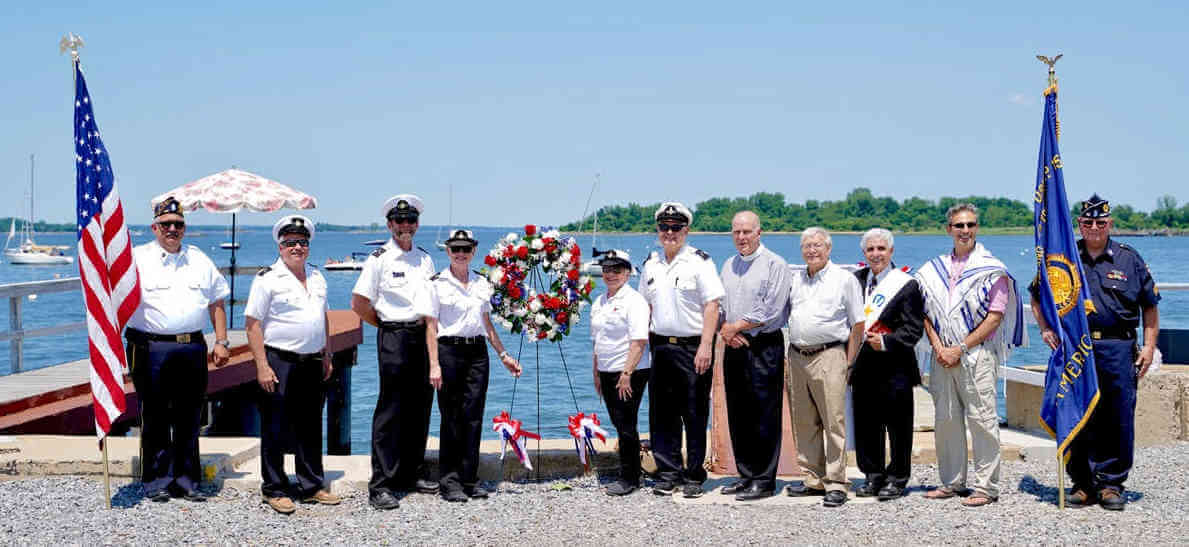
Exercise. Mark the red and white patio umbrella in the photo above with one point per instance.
(234, 190)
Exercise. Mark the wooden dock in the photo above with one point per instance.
(57, 399)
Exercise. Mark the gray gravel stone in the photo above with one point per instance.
(65, 510)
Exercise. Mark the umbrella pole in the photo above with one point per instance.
(231, 312)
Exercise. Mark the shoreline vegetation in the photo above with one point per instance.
(861, 210)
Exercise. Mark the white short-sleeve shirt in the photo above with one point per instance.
(824, 307)
(176, 289)
(292, 317)
(614, 323)
(679, 291)
(459, 310)
(396, 282)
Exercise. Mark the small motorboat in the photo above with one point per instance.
(229, 245)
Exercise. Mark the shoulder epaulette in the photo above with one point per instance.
(264, 270)
(436, 276)
(379, 251)
(1126, 246)
(478, 273)
(705, 255)
(651, 256)
(423, 249)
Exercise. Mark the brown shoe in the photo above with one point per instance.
(324, 497)
(281, 504)
(1080, 498)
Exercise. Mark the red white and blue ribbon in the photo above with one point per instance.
(584, 429)
(511, 433)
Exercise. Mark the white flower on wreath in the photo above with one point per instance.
(574, 317)
(519, 311)
(565, 258)
(553, 234)
(537, 244)
(582, 281)
(495, 275)
(541, 319)
(511, 237)
(534, 305)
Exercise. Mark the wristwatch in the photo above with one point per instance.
(224, 343)
(963, 347)
(504, 354)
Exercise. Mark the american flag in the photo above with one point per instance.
(111, 286)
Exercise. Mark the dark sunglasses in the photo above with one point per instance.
(403, 220)
(295, 242)
(961, 225)
(1093, 223)
(665, 227)
(461, 249)
(175, 224)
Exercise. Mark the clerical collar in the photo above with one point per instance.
(752, 256)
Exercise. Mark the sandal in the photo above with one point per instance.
(978, 500)
(941, 493)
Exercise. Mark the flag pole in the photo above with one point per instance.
(1051, 87)
(72, 42)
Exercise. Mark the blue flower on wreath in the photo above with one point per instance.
(496, 299)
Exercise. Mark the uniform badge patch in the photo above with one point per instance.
(398, 274)
(1116, 275)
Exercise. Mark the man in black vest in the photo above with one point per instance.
(885, 370)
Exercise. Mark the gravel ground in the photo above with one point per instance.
(63, 510)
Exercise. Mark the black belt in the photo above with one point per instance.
(461, 340)
(1113, 334)
(293, 356)
(655, 339)
(140, 336)
(402, 324)
(808, 351)
(763, 336)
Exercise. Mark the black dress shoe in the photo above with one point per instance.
(890, 492)
(692, 490)
(1111, 500)
(869, 489)
(426, 486)
(476, 491)
(736, 487)
(454, 496)
(834, 498)
(754, 492)
(194, 496)
(384, 501)
(1080, 498)
(621, 488)
(159, 496)
(664, 488)
(801, 491)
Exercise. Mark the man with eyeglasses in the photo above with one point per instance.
(755, 308)
(974, 318)
(287, 329)
(825, 324)
(683, 290)
(392, 294)
(1123, 292)
(167, 353)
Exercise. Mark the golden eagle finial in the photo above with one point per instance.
(1049, 61)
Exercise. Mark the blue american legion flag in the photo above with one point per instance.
(1071, 382)
(111, 286)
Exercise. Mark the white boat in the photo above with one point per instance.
(438, 240)
(353, 262)
(229, 245)
(28, 252)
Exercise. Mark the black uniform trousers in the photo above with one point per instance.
(678, 396)
(1101, 456)
(883, 408)
(170, 380)
(291, 421)
(465, 369)
(624, 416)
(753, 377)
(400, 425)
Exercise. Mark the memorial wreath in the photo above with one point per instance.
(548, 314)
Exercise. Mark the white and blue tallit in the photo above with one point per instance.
(954, 318)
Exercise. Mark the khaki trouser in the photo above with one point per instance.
(817, 395)
(964, 396)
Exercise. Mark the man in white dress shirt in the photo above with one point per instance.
(392, 294)
(824, 335)
(167, 354)
(682, 287)
(287, 330)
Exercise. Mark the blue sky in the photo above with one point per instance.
(518, 104)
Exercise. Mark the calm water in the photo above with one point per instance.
(543, 362)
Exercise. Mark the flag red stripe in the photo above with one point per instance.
(110, 336)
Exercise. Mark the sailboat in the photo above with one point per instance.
(591, 267)
(442, 244)
(28, 252)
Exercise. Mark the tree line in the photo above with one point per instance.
(861, 210)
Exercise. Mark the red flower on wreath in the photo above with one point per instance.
(514, 291)
(562, 317)
(572, 274)
(490, 260)
(541, 335)
(522, 252)
(553, 303)
(529, 229)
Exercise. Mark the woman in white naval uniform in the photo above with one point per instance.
(619, 329)
(287, 330)
(457, 333)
